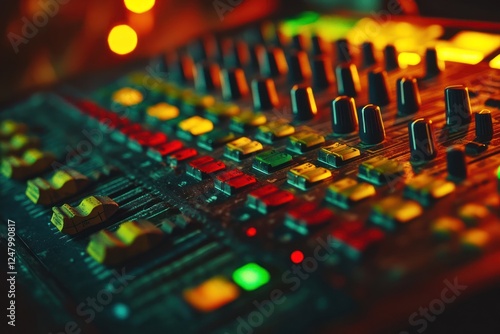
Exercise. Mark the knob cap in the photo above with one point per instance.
(238, 55)
(344, 115)
(343, 52)
(422, 140)
(368, 54)
(378, 91)
(323, 76)
(264, 94)
(347, 80)
(318, 45)
(299, 42)
(433, 66)
(299, 66)
(484, 126)
(408, 95)
(456, 164)
(207, 76)
(183, 67)
(371, 126)
(272, 62)
(234, 84)
(391, 58)
(303, 103)
(458, 108)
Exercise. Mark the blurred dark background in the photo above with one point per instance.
(45, 41)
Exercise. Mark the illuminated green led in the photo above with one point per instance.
(251, 276)
(498, 172)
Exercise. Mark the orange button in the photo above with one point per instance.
(211, 294)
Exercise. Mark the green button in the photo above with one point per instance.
(251, 276)
(271, 161)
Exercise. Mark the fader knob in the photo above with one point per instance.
(343, 52)
(456, 164)
(368, 54)
(273, 62)
(207, 76)
(234, 83)
(484, 126)
(408, 95)
(344, 115)
(347, 80)
(303, 103)
(322, 69)
(299, 67)
(371, 125)
(391, 58)
(378, 91)
(458, 108)
(433, 66)
(422, 140)
(264, 94)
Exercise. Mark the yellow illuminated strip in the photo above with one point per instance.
(451, 53)
(409, 58)
(478, 41)
(495, 62)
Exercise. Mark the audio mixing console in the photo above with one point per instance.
(313, 174)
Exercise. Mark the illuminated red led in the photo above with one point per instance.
(297, 256)
(251, 232)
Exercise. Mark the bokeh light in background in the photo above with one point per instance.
(122, 39)
(139, 6)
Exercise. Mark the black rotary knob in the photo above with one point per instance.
(378, 91)
(299, 42)
(408, 95)
(344, 115)
(318, 45)
(299, 67)
(264, 94)
(458, 108)
(272, 62)
(368, 54)
(371, 125)
(234, 84)
(456, 163)
(484, 126)
(433, 66)
(347, 80)
(322, 69)
(343, 52)
(207, 76)
(422, 140)
(303, 102)
(391, 58)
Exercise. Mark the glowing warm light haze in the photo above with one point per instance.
(122, 39)
(139, 6)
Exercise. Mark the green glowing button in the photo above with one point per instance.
(251, 276)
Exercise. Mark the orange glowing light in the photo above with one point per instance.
(122, 39)
(139, 6)
(495, 62)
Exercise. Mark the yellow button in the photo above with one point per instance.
(224, 110)
(196, 125)
(308, 138)
(347, 192)
(250, 119)
(475, 238)
(163, 111)
(278, 128)
(394, 209)
(244, 145)
(131, 239)
(92, 210)
(18, 144)
(32, 162)
(63, 184)
(127, 96)
(472, 213)
(211, 294)
(446, 226)
(8, 128)
(304, 175)
(106, 248)
(139, 236)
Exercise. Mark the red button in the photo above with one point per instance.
(201, 161)
(212, 167)
(229, 175)
(278, 198)
(181, 155)
(241, 181)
